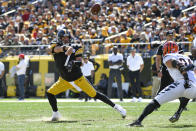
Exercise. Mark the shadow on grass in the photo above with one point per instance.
(63, 121)
(69, 121)
(177, 126)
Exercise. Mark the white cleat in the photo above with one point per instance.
(56, 116)
(140, 99)
(134, 99)
(120, 109)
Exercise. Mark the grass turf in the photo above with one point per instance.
(90, 116)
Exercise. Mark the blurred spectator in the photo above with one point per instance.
(115, 62)
(45, 18)
(3, 23)
(155, 79)
(21, 71)
(176, 12)
(156, 10)
(88, 71)
(2, 80)
(124, 39)
(135, 65)
(103, 84)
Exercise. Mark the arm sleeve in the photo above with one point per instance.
(159, 50)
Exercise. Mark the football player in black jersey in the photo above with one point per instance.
(166, 78)
(68, 60)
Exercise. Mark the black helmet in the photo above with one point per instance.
(62, 33)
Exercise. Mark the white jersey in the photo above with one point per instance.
(174, 72)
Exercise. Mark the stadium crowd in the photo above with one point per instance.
(38, 24)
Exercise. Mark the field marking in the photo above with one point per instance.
(72, 100)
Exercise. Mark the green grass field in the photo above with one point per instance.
(90, 116)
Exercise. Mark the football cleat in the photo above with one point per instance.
(175, 117)
(56, 116)
(140, 99)
(120, 109)
(134, 99)
(136, 124)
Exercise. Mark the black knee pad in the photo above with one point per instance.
(98, 95)
(155, 103)
(184, 100)
(49, 94)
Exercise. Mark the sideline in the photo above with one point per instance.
(29, 100)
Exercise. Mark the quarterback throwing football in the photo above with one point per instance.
(68, 61)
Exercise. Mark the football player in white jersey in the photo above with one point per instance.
(180, 68)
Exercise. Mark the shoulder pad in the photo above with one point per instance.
(168, 57)
(78, 50)
(53, 44)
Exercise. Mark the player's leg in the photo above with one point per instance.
(183, 103)
(189, 93)
(86, 87)
(165, 80)
(171, 92)
(147, 110)
(55, 89)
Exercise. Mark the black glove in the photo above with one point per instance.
(186, 84)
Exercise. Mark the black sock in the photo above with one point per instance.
(183, 102)
(104, 98)
(148, 109)
(52, 101)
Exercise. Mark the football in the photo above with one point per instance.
(95, 9)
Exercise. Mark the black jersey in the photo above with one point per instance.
(60, 59)
(160, 52)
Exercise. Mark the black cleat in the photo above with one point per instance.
(135, 124)
(175, 117)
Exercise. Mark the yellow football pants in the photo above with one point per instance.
(76, 86)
